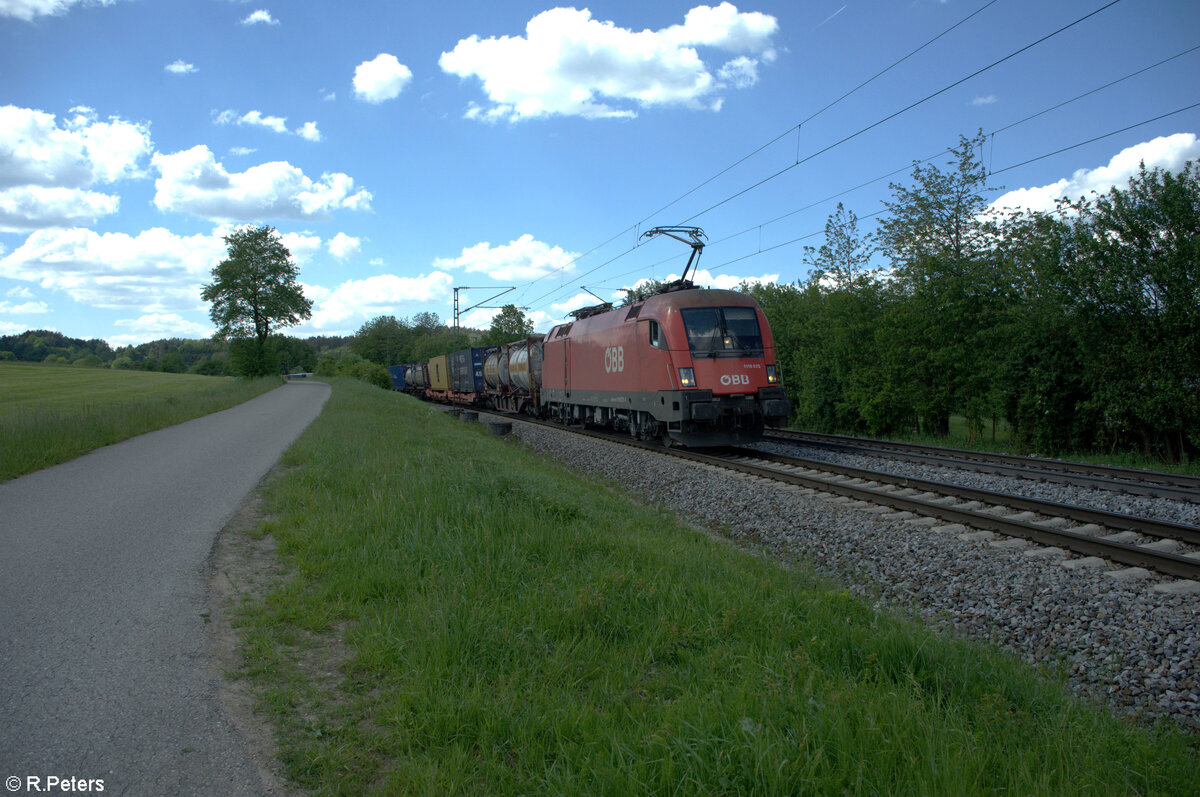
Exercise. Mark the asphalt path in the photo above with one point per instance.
(104, 668)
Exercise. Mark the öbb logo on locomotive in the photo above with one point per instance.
(735, 379)
(614, 359)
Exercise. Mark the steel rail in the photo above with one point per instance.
(1125, 553)
(1133, 481)
(1150, 527)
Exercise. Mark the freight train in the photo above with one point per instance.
(690, 366)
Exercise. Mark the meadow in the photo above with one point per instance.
(459, 615)
(50, 414)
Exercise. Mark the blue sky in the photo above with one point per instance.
(403, 149)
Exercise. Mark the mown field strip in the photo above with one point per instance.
(50, 414)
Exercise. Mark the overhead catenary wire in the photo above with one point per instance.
(906, 167)
(845, 139)
(909, 107)
(814, 115)
(767, 145)
(1059, 151)
(815, 233)
(1097, 138)
(759, 227)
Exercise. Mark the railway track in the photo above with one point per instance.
(1081, 530)
(1088, 532)
(1131, 481)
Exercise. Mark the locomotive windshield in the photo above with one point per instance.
(723, 331)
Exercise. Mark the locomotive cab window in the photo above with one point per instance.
(657, 339)
(723, 331)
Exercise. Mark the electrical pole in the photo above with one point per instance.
(484, 304)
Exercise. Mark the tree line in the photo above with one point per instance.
(1079, 327)
(172, 355)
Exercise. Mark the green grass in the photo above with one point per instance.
(464, 616)
(50, 414)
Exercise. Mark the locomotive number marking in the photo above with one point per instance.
(614, 359)
(735, 379)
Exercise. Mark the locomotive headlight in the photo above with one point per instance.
(687, 377)
(772, 375)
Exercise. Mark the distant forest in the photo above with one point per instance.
(382, 341)
(173, 355)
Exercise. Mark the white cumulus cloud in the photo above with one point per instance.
(156, 326)
(302, 246)
(48, 167)
(380, 79)
(260, 17)
(343, 246)
(522, 259)
(27, 307)
(155, 271)
(479, 318)
(26, 10)
(571, 64)
(1165, 152)
(706, 279)
(33, 206)
(192, 181)
(309, 132)
(277, 124)
(560, 309)
(353, 302)
(180, 68)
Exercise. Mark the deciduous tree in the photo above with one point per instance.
(385, 340)
(939, 245)
(254, 291)
(508, 325)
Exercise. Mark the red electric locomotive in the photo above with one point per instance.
(690, 365)
(685, 365)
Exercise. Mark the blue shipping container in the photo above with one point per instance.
(397, 372)
(466, 370)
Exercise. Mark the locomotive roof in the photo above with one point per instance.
(699, 297)
(661, 302)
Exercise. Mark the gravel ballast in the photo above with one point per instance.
(1119, 640)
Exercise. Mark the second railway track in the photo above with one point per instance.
(1131, 481)
(1096, 532)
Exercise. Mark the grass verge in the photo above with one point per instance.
(51, 414)
(464, 616)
